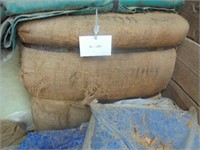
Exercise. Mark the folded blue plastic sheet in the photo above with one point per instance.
(36, 9)
(55, 139)
(141, 124)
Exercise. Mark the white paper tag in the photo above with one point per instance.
(89, 46)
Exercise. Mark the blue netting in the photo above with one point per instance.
(141, 124)
(126, 124)
(55, 139)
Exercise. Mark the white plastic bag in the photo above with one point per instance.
(14, 100)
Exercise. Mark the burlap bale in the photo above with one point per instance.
(58, 114)
(11, 134)
(66, 76)
(127, 30)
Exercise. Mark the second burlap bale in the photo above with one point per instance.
(67, 76)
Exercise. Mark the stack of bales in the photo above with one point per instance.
(60, 81)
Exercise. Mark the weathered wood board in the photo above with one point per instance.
(184, 87)
(176, 93)
(191, 13)
(186, 72)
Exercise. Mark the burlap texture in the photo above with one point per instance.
(66, 76)
(11, 134)
(128, 30)
(58, 114)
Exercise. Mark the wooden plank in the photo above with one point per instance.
(191, 8)
(194, 30)
(191, 13)
(189, 51)
(186, 72)
(187, 80)
(174, 92)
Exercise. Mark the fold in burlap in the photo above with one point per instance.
(11, 134)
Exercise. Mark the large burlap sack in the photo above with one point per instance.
(66, 76)
(127, 30)
(58, 114)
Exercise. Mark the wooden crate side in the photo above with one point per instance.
(175, 92)
(186, 72)
(191, 13)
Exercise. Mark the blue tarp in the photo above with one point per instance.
(129, 124)
(141, 124)
(57, 139)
